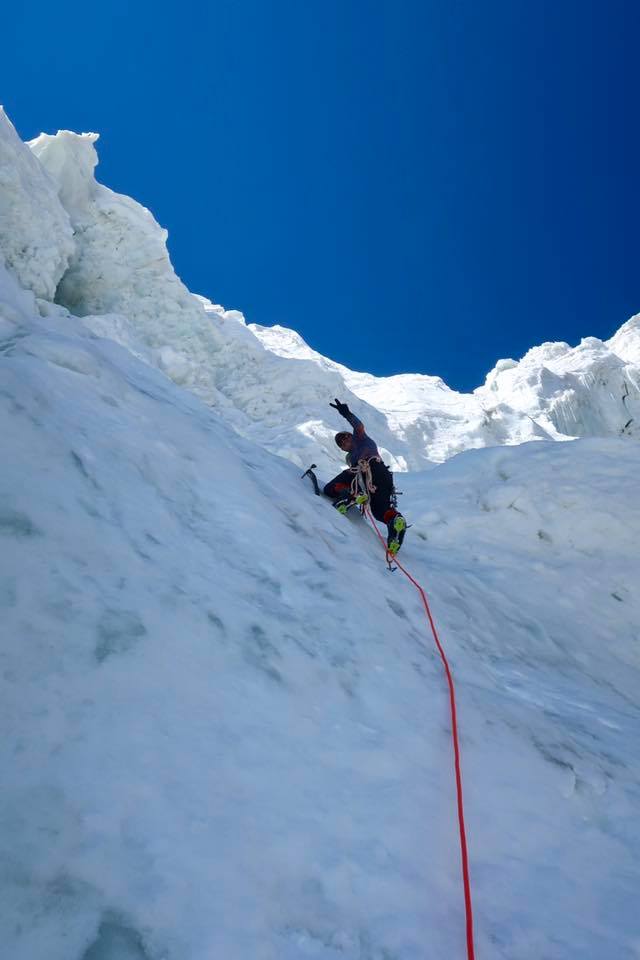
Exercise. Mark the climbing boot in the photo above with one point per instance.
(396, 528)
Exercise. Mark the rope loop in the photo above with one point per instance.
(363, 481)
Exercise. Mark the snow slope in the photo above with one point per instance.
(225, 727)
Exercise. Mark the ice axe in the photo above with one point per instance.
(314, 479)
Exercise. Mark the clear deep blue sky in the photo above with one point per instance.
(412, 185)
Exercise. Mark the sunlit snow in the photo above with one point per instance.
(225, 726)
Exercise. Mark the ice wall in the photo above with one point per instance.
(36, 237)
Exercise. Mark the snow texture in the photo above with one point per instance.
(36, 238)
(225, 726)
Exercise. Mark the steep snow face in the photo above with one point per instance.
(225, 727)
(626, 342)
(16, 304)
(36, 238)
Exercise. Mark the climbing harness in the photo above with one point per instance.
(464, 854)
(359, 493)
(363, 481)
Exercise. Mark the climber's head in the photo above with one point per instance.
(344, 440)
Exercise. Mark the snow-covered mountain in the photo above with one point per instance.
(225, 727)
(555, 392)
(103, 257)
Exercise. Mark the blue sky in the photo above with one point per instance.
(413, 186)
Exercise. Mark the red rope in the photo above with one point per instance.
(456, 748)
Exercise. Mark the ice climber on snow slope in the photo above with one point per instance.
(368, 479)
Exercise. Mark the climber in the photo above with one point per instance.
(376, 486)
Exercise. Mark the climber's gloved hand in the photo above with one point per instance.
(342, 408)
